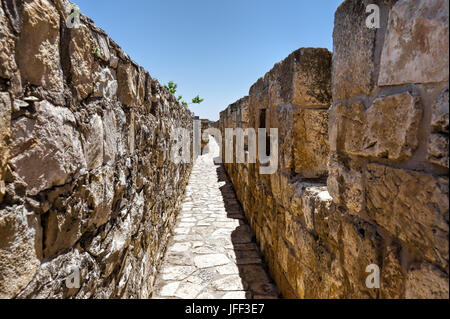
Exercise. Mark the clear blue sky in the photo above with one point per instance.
(215, 48)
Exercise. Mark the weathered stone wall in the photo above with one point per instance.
(377, 192)
(389, 143)
(85, 177)
(293, 97)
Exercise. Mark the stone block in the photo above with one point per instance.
(5, 131)
(7, 47)
(302, 79)
(412, 207)
(437, 148)
(38, 45)
(345, 184)
(310, 142)
(20, 248)
(425, 281)
(127, 79)
(82, 61)
(361, 248)
(46, 150)
(389, 128)
(416, 43)
(354, 51)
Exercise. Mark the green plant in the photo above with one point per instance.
(95, 49)
(172, 88)
(197, 100)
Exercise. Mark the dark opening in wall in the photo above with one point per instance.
(263, 124)
(262, 119)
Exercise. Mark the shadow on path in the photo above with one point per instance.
(249, 259)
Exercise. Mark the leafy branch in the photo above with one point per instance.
(172, 88)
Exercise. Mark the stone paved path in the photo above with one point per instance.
(212, 254)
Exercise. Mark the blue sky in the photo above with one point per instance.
(215, 48)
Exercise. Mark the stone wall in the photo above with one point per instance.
(389, 142)
(85, 177)
(293, 97)
(365, 181)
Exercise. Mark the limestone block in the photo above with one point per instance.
(20, 248)
(7, 46)
(302, 79)
(354, 50)
(416, 44)
(316, 201)
(258, 100)
(425, 281)
(140, 90)
(13, 9)
(5, 120)
(438, 149)
(412, 207)
(393, 127)
(345, 184)
(392, 277)
(311, 144)
(439, 115)
(38, 45)
(104, 53)
(105, 83)
(50, 281)
(111, 137)
(46, 149)
(438, 140)
(127, 79)
(100, 195)
(283, 119)
(82, 61)
(93, 142)
(389, 128)
(361, 248)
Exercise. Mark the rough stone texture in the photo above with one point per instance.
(7, 47)
(389, 144)
(5, 119)
(438, 140)
(354, 66)
(418, 209)
(81, 61)
(37, 51)
(85, 181)
(46, 150)
(416, 44)
(389, 128)
(20, 248)
(386, 197)
(282, 208)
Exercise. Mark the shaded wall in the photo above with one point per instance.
(85, 177)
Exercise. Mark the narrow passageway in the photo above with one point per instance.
(212, 253)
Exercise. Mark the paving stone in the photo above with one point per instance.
(209, 243)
